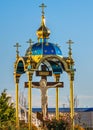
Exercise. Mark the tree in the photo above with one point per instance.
(7, 110)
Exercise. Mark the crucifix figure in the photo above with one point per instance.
(44, 98)
(43, 85)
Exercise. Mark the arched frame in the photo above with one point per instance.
(21, 67)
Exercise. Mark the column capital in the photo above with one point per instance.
(16, 77)
(57, 77)
(30, 74)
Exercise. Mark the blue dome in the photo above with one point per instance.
(48, 49)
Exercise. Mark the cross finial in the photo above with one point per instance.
(30, 44)
(42, 6)
(70, 49)
(17, 46)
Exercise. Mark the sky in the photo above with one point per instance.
(67, 19)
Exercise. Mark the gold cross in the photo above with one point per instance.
(70, 49)
(17, 46)
(42, 6)
(70, 42)
(30, 42)
(30, 49)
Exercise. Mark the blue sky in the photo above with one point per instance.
(68, 19)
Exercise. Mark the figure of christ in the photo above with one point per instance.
(44, 98)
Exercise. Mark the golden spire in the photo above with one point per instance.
(43, 31)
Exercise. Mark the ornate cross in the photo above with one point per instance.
(30, 44)
(42, 6)
(70, 49)
(17, 46)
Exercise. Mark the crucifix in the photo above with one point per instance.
(43, 85)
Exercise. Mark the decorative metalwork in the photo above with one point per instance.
(17, 47)
(30, 45)
(70, 42)
(42, 6)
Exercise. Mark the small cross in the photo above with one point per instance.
(42, 6)
(70, 42)
(30, 44)
(70, 49)
(17, 46)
